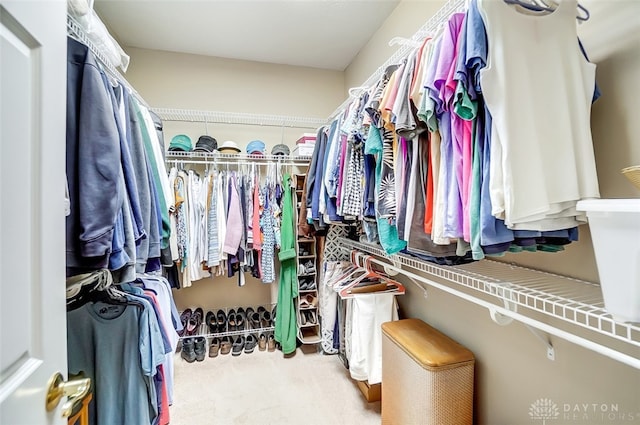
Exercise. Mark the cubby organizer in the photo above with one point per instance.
(524, 294)
(307, 303)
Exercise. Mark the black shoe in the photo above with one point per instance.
(241, 318)
(221, 321)
(188, 352)
(251, 343)
(200, 348)
(212, 322)
(231, 320)
(238, 346)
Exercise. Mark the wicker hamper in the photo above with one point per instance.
(427, 378)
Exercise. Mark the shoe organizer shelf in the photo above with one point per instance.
(568, 308)
(229, 321)
(306, 305)
(307, 301)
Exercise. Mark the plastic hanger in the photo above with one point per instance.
(371, 282)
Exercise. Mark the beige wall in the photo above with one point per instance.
(173, 80)
(405, 20)
(512, 369)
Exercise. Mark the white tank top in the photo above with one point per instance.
(538, 87)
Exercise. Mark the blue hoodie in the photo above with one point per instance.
(93, 163)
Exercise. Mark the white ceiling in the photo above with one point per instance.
(324, 34)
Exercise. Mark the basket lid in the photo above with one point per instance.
(426, 345)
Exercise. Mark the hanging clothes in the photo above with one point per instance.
(548, 136)
(286, 323)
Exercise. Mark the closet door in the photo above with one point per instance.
(32, 218)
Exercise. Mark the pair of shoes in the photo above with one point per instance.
(188, 353)
(238, 346)
(309, 267)
(308, 301)
(262, 342)
(194, 322)
(253, 318)
(265, 317)
(236, 319)
(225, 345)
(193, 349)
(214, 347)
(308, 317)
(307, 285)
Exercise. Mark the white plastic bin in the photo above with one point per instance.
(615, 232)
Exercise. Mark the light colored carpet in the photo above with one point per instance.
(266, 388)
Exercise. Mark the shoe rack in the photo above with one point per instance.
(307, 303)
(229, 321)
(226, 330)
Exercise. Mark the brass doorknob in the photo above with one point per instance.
(74, 389)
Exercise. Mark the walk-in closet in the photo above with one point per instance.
(319, 212)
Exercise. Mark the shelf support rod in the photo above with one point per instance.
(551, 352)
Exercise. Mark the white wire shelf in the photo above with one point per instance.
(571, 300)
(75, 30)
(204, 332)
(193, 115)
(234, 159)
(429, 27)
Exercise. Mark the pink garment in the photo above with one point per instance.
(235, 225)
(461, 132)
(391, 99)
(446, 86)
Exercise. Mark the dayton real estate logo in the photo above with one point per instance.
(544, 409)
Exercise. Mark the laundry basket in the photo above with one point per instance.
(427, 378)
